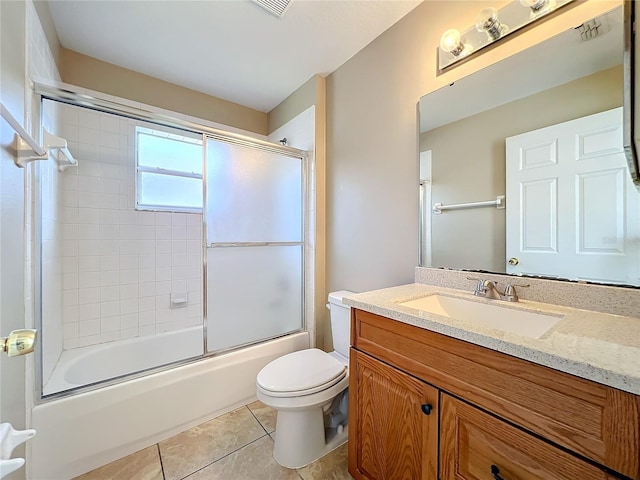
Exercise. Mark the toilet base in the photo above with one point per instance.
(304, 438)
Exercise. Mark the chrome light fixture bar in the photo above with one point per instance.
(491, 26)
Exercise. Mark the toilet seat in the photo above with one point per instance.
(300, 373)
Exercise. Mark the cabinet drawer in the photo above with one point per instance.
(598, 422)
(478, 446)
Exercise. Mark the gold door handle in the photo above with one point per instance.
(513, 261)
(19, 342)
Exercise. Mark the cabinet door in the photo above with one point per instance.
(477, 446)
(393, 424)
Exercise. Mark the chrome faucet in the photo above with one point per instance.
(488, 289)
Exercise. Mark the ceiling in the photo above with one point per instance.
(231, 49)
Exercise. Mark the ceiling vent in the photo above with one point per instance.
(276, 7)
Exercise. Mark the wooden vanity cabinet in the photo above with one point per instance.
(477, 446)
(589, 428)
(396, 422)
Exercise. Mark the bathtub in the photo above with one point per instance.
(78, 433)
(96, 363)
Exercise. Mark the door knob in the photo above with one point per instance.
(19, 342)
(513, 261)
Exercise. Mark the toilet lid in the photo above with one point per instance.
(301, 370)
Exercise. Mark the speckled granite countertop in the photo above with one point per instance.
(597, 346)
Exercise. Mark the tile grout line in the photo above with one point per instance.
(257, 420)
(224, 456)
(161, 464)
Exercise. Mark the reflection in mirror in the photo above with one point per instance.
(542, 127)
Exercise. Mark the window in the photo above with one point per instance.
(168, 171)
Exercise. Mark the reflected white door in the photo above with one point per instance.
(572, 211)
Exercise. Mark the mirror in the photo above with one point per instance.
(532, 128)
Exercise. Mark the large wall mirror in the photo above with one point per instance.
(544, 129)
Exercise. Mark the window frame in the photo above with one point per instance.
(140, 169)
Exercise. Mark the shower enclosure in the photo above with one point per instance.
(169, 241)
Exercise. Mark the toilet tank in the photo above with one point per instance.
(340, 322)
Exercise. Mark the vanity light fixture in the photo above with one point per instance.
(451, 42)
(489, 22)
(538, 6)
(492, 25)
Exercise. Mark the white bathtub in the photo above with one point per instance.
(79, 433)
(96, 363)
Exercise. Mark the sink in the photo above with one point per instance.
(512, 320)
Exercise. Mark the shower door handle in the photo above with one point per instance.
(19, 342)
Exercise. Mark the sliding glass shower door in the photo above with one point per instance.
(254, 215)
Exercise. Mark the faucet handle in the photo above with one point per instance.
(479, 285)
(510, 291)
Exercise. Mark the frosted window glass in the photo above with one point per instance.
(162, 190)
(170, 154)
(253, 293)
(252, 195)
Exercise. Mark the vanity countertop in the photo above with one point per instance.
(601, 347)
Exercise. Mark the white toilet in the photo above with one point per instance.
(308, 388)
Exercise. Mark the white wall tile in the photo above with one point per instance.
(90, 263)
(106, 337)
(148, 304)
(109, 294)
(128, 262)
(89, 340)
(88, 328)
(163, 288)
(129, 291)
(146, 275)
(89, 311)
(108, 278)
(109, 309)
(89, 279)
(88, 295)
(70, 314)
(164, 246)
(129, 321)
(163, 274)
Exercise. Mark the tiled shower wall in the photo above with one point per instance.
(120, 265)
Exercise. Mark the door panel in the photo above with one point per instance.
(572, 211)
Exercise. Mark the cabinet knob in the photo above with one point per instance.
(495, 471)
(426, 408)
(514, 261)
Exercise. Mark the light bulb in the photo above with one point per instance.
(488, 21)
(538, 6)
(450, 42)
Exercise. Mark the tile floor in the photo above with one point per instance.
(234, 446)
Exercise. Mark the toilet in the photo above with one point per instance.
(308, 388)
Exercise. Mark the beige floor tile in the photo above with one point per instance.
(253, 462)
(265, 415)
(332, 466)
(142, 465)
(196, 448)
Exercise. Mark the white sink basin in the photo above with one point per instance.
(520, 322)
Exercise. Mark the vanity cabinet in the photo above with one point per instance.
(396, 422)
(477, 446)
(539, 423)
